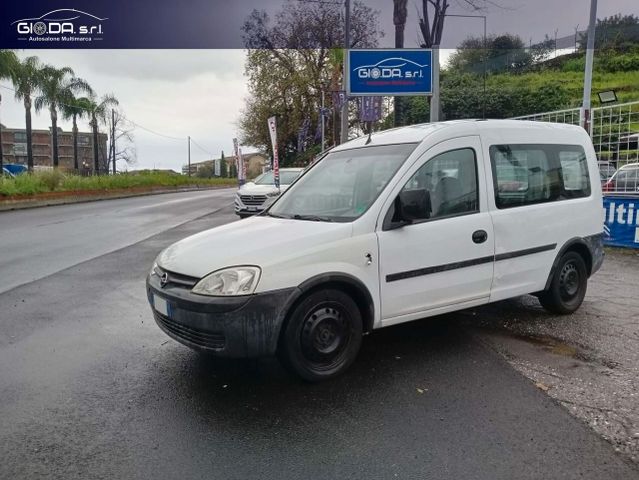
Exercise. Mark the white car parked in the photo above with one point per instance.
(254, 196)
(413, 222)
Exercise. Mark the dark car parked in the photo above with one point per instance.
(625, 180)
(606, 171)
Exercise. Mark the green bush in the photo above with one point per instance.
(608, 62)
(51, 179)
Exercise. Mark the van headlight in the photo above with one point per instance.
(229, 282)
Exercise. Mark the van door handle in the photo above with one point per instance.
(480, 236)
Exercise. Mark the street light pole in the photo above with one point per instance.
(347, 41)
(189, 150)
(485, 45)
(590, 52)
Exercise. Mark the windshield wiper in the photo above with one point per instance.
(314, 218)
(275, 215)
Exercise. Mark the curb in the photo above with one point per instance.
(17, 204)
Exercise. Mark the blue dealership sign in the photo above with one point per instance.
(621, 221)
(390, 72)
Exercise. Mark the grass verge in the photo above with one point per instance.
(56, 181)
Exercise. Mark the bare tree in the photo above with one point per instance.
(431, 21)
(125, 151)
(433, 14)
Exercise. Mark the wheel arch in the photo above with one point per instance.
(342, 281)
(578, 245)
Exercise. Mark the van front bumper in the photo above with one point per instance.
(243, 326)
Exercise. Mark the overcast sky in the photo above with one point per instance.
(201, 92)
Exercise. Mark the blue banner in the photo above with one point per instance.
(390, 72)
(621, 221)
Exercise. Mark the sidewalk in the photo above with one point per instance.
(587, 361)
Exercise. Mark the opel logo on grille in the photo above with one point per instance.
(164, 279)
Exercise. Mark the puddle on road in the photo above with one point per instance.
(558, 347)
(550, 344)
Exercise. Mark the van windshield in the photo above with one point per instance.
(342, 185)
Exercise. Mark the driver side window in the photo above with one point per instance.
(445, 186)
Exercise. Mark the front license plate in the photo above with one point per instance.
(160, 305)
(252, 209)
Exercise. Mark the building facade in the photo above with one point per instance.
(14, 148)
(255, 163)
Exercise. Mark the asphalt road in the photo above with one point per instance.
(91, 388)
(37, 242)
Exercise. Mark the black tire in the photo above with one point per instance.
(568, 285)
(322, 337)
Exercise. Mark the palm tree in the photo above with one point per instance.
(98, 109)
(25, 76)
(8, 60)
(56, 86)
(400, 12)
(75, 108)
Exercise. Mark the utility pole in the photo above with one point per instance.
(347, 41)
(189, 148)
(590, 52)
(113, 138)
(434, 101)
(321, 119)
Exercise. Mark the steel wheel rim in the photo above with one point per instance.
(569, 281)
(325, 336)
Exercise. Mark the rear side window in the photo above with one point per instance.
(530, 174)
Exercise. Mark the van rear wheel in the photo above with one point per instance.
(568, 285)
(323, 336)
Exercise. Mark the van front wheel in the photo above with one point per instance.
(323, 335)
(567, 287)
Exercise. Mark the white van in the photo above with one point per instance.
(406, 224)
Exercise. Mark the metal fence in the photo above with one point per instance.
(614, 131)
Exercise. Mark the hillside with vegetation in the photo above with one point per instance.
(522, 81)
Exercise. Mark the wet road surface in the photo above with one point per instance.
(588, 361)
(91, 388)
(37, 242)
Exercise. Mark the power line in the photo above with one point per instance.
(62, 104)
(200, 147)
(181, 139)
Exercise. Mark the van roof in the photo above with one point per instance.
(417, 133)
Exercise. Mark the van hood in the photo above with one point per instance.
(257, 241)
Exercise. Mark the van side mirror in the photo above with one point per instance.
(411, 206)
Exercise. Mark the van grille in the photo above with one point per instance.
(176, 279)
(253, 200)
(212, 340)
